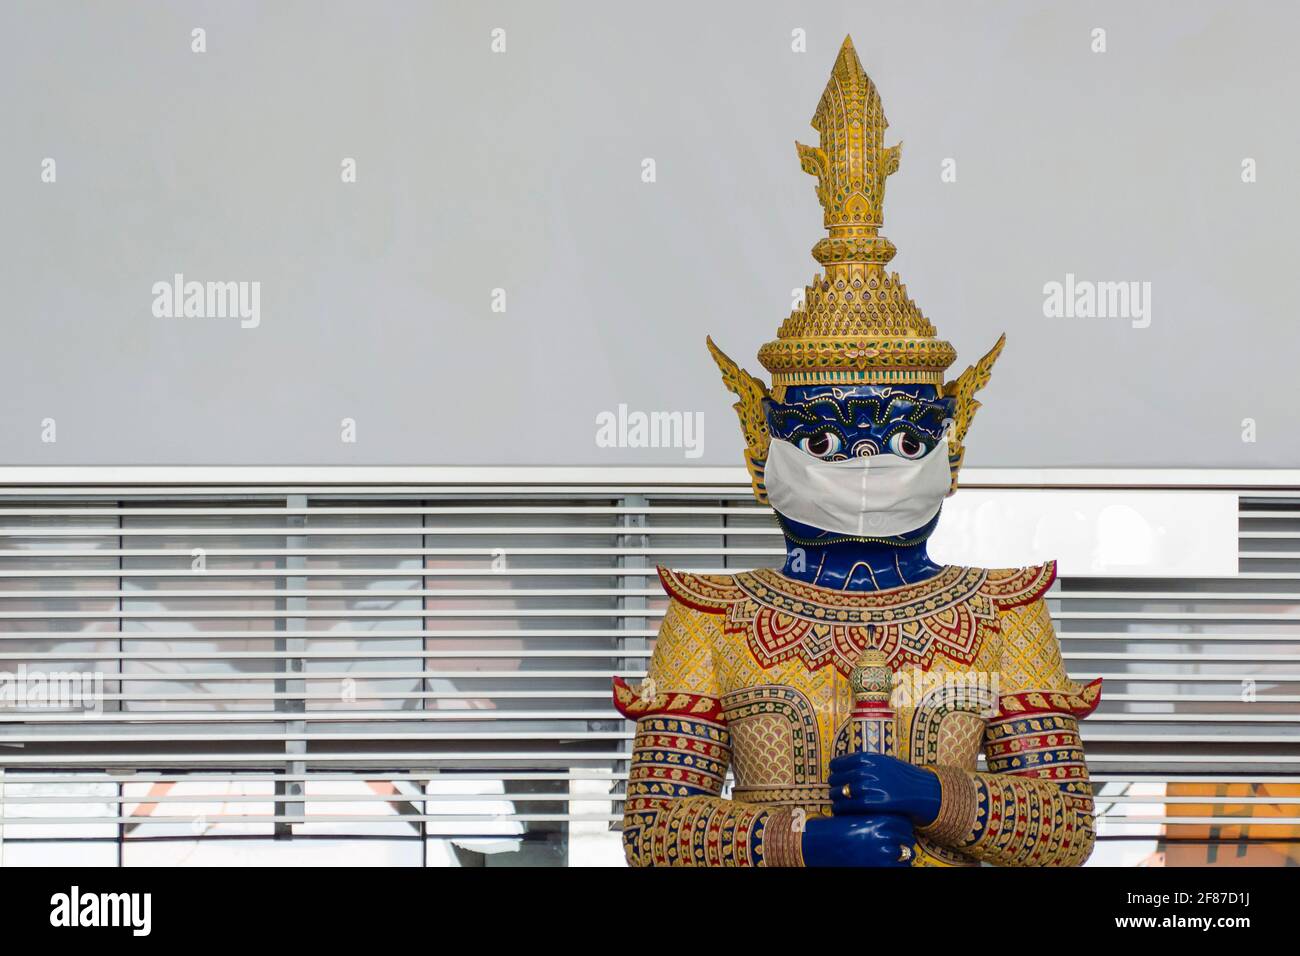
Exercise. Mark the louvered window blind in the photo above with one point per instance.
(418, 673)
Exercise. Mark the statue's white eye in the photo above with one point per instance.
(821, 445)
(906, 445)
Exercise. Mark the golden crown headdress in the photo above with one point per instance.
(856, 325)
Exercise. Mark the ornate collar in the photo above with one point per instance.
(771, 589)
(951, 613)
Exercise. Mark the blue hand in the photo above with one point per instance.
(858, 841)
(881, 784)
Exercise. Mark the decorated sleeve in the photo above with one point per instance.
(1034, 806)
(680, 679)
(1032, 677)
(674, 814)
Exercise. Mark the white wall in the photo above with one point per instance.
(522, 171)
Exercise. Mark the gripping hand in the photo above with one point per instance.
(863, 783)
(884, 840)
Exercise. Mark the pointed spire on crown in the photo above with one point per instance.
(857, 324)
(851, 162)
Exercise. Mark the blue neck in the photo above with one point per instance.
(856, 564)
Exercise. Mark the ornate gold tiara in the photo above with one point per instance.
(857, 325)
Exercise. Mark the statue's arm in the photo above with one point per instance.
(674, 814)
(1034, 805)
(1023, 815)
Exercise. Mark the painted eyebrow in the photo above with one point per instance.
(878, 409)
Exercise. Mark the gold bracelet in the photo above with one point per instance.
(958, 805)
(783, 837)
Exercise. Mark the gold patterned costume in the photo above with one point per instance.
(744, 675)
(750, 671)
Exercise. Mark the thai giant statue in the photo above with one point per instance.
(851, 693)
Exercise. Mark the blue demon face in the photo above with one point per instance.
(836, 423)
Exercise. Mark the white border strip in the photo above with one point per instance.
(40, 475)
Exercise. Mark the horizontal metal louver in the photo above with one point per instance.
(435, 661)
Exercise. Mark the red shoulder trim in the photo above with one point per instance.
(710, 593)
(633, 705)
(1016, 587)
(1031, 702)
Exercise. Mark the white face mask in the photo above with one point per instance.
(877, 496)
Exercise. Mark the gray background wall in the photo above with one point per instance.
(522, 171)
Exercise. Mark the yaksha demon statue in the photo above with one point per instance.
(852, 691)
